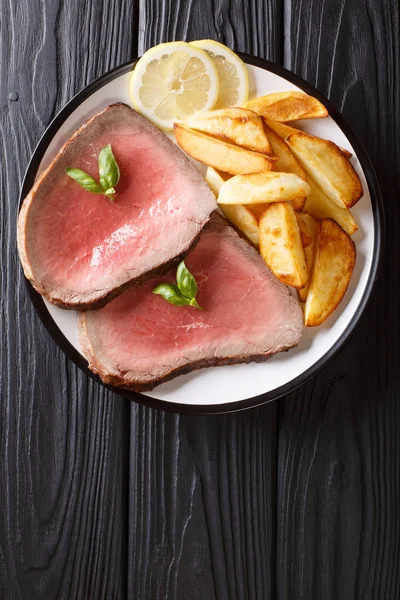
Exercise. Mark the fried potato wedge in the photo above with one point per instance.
(283, 131)
(320, 206)
(262, 188)
(215, 179)
(346, 153)
(287, 106)
(240, 216)
(312, 226)
(221, 155)
(281, 246)
(327, 165)
(280, 129)
(305, 234)
(334, 261)
(287, 162)
(257, 209)
(238, 125)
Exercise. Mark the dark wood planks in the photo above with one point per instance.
(202, 493)
(254, 27)
(202, 503)
(202, 489)
(63, 438)
(339, 465)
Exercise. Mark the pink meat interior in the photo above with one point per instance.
(80, 241)
(246, 312)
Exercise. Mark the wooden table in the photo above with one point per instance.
(100, 498)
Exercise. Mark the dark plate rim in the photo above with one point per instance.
(292, 385)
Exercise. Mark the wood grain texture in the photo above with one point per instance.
(63, 438)
(339, 466)
(201, 507)
(100, 499)
(254, 27)
(202, 503)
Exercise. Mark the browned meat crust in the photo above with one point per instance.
(122, 381)
(100, 300)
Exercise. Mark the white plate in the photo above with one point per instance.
(220, 389)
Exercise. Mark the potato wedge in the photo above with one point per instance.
(334, 262)
(320, 206)
(240, 216)
(281, 246)
(287, 106)
(215, 179)
(346, 153)
(283, 131)
(262, 188)
(257, 209)
(237, 125)
(287, 162)
(305, 234)
(327, 165)
(221, 155)
(312, 226)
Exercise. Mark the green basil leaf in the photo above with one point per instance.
(195, 304)
(171, 294)
(84, 180)
(182, 294)
(108, 169)
(110, 193)
(186, 282)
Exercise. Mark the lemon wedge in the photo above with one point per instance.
(232, 73)
(172, 81)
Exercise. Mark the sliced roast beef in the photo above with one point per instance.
(78, 248)
(139, 340)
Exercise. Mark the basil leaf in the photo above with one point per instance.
(84, 180)
(186, 282)
(183, 294)
(171, 294)
(110, 193)
(108, 169)
(194, 303)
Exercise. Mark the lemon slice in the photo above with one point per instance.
(232, 73)
(172, 81)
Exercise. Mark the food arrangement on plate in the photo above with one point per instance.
(272, 211)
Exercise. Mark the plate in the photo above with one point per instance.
(230, 388)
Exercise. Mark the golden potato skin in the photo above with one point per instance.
(326, 164)
(239, 215)
(287, 162)
(281, 246)
(262, 188)
(312, 226)
(242, 217)
(287, 106)
(320, 206)
(221, 155)
(305, 234)
(333, 266)
(237, 125)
